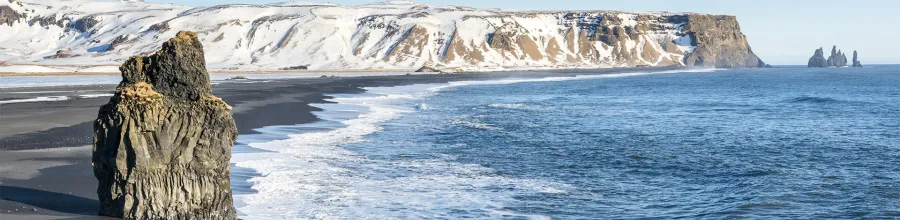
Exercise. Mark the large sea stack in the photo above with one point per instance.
(856, 62)
(162, 145)
(818, 59)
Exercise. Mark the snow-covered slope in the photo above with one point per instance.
(386, 35)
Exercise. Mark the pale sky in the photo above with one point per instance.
(781, 32)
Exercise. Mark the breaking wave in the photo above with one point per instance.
(313, 174)
(812, 99)
(38, 99)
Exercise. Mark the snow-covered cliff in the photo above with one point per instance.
(386, 35)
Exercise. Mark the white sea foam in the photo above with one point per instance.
(519, 106)
(313, 176)
(38, 99)
(566, 78)
(90, 96)
(471, 122)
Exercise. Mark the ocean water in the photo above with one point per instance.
(781, 143)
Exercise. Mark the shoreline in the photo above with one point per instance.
(257, 104)
(330, 71)
(215, 72)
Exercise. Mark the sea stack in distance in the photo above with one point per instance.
(836, 59)
(162, 144)
(818, 60)
(856, 62)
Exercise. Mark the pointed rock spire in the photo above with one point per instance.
(856, 62)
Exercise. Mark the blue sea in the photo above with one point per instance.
(782, 143)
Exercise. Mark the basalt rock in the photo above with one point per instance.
(117, 42)
(85, 24)
(427, 69)
(8, 16)
(719, 43)
(837, 58)
(63, 54)
(818, 59)
(856, 62)
(162, 145)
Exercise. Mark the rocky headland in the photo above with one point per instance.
(162, 144)
(720, 43)
(836, 59)
(387, 35)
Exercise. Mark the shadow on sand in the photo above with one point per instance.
(52, 201)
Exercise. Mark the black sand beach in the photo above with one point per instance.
(45, 147)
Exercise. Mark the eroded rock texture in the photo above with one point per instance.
(719, 42)
(162, 145)
(836, 59)
(818, 59)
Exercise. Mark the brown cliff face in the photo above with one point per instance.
(162, 145)
(719, 43)
(8, 16)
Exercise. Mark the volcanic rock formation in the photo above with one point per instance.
(162, 145)
(385, 35)
(836, 59)
(856, 62)
(818, 59)
(719, 42)
(427, 69)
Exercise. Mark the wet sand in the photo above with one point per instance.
(45, 147)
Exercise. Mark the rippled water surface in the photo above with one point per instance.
(774, 143)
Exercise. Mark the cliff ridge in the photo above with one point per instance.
(376, 36)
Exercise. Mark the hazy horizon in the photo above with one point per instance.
(780, 32)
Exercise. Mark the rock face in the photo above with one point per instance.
(856, 62)
(837, 58)
(62, 54)
(8, 16)
(386, 35)
(427, 69)
(818, 59)
(719, 42)
(162, 145)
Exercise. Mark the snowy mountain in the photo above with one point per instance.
(385, 35)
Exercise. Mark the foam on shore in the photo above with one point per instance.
(311, 174)
(38, 99)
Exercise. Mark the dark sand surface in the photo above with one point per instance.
(45, 152)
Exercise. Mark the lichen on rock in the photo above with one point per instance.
(162, 145)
